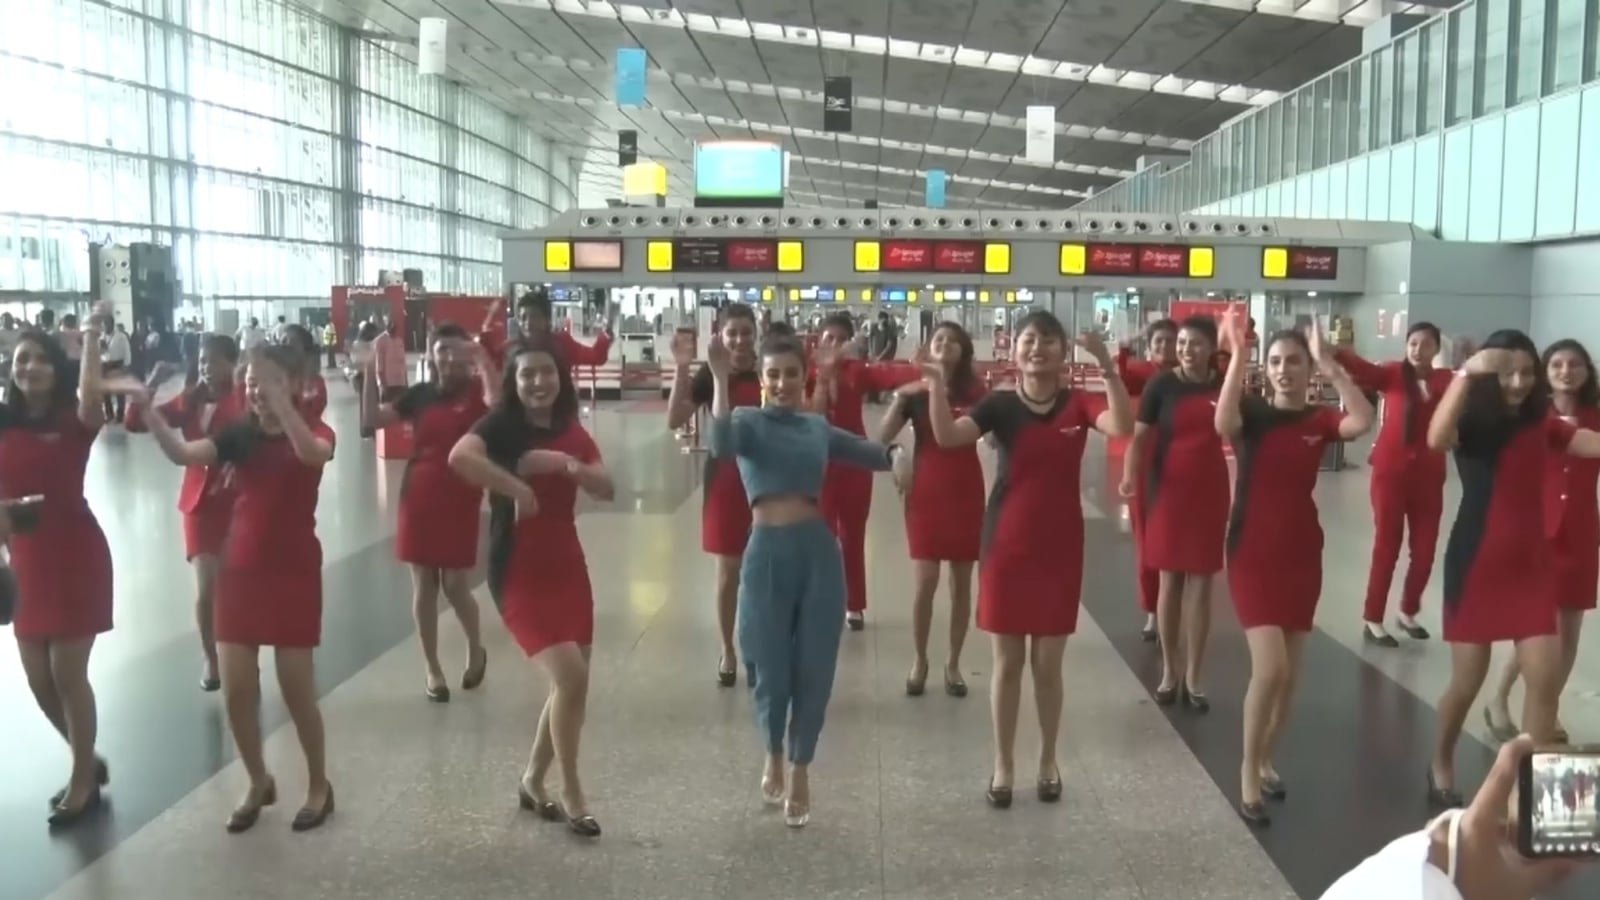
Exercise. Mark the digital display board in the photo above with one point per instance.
(1163, 260)
(906, 256)
(1112, 259)
(596, 256)
(944, 257)
(738, 170)
(958, 257)
(699, 255)
(752, 256)
(1138, 260)
(1314, 263)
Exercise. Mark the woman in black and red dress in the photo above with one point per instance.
(838, 391)
(59, 556)
(725, 512)
(437, 534)
(1571, 521)
(1500, 575)
(1274, 535)
(204, 409)
(269, 590)
(1185, 505)
(534, 456)
(1407, 477)
(1161, 354)
(943, 504)
(1031, 571)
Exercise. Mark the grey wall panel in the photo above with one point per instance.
(1470, 289)
(1565, 294)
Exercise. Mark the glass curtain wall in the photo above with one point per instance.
(1476, 125)
(275, 152)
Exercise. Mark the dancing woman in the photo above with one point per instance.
(48, 424)
(791, 583)
(1184, 505)
(1274, 536)
(1161, 338)
(1495, 416)
(204, 409)
(269, 588)
(1031, 571)
(438, 522)
(534, 457)
(724, 512)
(1407, 477)
(943, 505)
(313, 388)
(1571, 521)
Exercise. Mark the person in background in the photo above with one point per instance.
(533, 321)
(115, 360)
(1161, 354)
(72, 344)
(190, 338)
(330, 344)
(359, 360)
(280, 329)
(251, 336)
(313, 389)
(389, 362)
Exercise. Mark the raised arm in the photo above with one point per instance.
(182, 452)
(723, 428)
(1369, 376)
(1444, 427)
(1229, 417)
(948, 431)
(1358, 414)
(580, 354)
(309, 447)
(896, 416)
(855, 450)
(91, 411)
(681, 401)
(1117, 420)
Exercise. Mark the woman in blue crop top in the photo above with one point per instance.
(791, 583)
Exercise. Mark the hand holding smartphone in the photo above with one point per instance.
(1558, 803)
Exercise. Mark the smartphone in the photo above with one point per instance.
(1558, 803)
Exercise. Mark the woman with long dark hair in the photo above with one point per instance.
(1571, 521)
(1161, 355)
(725, 511)
(48, 424)
(1407, 477)
(533, 455)
(313, 389)
(437, 533)
(1499, 567)
(1031, 572)
(269, 588)
(1275, 536)
(207, 406)
(792, 584)
(943, 504)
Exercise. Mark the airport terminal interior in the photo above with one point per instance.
(180, 168)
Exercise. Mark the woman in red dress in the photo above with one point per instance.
(1031, 570)
(534, 456)
(1184, 500)
(725, 513)
(313, 389)
(1274, 536)
(1571, 521)
(1161, 338)
(437, 534)
(1407, 477)
(59, 555)
(269, 589)
(1500, 573)
(943, 504)
(204, 409)
(838, 392)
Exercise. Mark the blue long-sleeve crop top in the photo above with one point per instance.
(785, 451)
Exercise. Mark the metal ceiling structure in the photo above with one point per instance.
(938, 84)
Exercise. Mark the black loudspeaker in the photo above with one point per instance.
(412, 278)
(154, 285)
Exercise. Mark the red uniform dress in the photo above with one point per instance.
(725, 513)
(1500, 582)
(1136, 375)
(62, 564)
(206, 503)
(1185, 493)
(1031, 572)
(269, 591)
(846, 498)
(944, 507)
(438, 521)
(537, 572)
(1274, 535)
(313, 397)
(1572, 519)
(1407, 478)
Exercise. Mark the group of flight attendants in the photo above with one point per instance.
(1525, 433)
(249, 431)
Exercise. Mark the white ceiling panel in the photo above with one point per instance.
(938, 84)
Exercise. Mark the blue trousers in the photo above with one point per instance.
(791, 613)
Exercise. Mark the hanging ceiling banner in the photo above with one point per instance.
(934, 188)
(631, 62)
(431, 45)
(838, 103)
(627, 148)
(1041, 130)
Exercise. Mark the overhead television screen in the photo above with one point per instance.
(733, 173)
(1314, 263)
(597, 256)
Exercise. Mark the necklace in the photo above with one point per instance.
(1031, 401)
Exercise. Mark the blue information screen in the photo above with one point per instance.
(738, 169)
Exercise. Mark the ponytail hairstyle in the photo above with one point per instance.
(1406, 368)
(1589, 391)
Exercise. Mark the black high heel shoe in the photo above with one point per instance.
(1414, 631)
(61, 817)
(955, 685)
(102, 777)
(1272, 788)
(436, 693)
(477, 668)
(1049, 789)
(245, 817)
(1441, 797)
(998, 797)
(582, 826)
(726, 677)
(307, 818)
(1254, 814)
(1196, 700)
(1166, 696)
(547, 810)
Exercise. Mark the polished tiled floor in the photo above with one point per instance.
(427, 792)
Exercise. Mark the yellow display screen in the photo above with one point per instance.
(658, 256)
(1074, 259)
(558, 256)
(997, 259)
(1274, 262)
(869, 256)
(791, 256)
(1202, 262)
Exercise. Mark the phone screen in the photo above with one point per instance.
(1559, 794)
